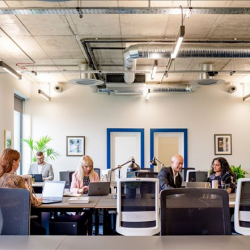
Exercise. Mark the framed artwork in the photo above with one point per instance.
(7, 139)
(223, 144)
(75, 145)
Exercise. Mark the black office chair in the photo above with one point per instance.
(65, 176)
(14, 211)
(183, 173)
(147, 174)
(192, 211)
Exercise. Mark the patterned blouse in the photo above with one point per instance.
(15, 181)
(86, 182)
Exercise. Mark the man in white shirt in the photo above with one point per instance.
(41, 167)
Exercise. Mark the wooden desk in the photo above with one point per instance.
(231, 242)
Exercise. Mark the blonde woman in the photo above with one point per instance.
(83, 176)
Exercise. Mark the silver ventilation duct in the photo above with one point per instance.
(164, 51)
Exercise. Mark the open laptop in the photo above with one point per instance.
(38, 177)
(99, 188)
(53, 191)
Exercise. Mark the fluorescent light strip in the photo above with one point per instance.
(154, 69)
(44, 95)
(11, 71)
(179, 42)
(147, 95)
(247, 97)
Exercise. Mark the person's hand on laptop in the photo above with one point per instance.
(40, 199)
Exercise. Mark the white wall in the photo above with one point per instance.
(79, 112)
(8, 86)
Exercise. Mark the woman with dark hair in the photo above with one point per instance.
(221, 171)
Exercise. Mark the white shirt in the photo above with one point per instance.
(39, 166)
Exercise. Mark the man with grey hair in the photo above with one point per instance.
(42, 167)
(169, 177)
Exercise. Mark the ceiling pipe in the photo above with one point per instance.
(164, 51)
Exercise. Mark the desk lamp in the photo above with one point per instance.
(131, 168)
(154, 162)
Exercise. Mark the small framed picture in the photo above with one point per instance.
(223, 144)
(75, 145)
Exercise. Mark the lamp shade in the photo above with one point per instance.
(133, 167)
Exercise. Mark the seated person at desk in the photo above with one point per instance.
(41, 167)
(83, 176)
(221, 171)
(9, 163)
(169, 177)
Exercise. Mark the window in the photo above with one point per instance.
(18, 123)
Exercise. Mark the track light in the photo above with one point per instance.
(179, 41)
(247, 97)
(44, 95)
(154, 69)
(11, 71)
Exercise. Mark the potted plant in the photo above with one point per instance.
(239, 172)
(131, 189)
(42, 145)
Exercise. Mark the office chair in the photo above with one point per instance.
(138, 206)
(64, 175)
(242, 207)
(196, 175)
(98, 171)
(183, 173)
(147, 174)
(15, 211)
(195, 211)
(198, 184)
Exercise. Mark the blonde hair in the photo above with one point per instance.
(85, 161)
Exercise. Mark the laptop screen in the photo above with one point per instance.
(53, 189)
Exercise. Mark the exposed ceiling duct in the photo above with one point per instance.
(164, 51)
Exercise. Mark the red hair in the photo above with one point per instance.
(6, 160)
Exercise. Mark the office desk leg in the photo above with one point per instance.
(90, 221)
(96, 221)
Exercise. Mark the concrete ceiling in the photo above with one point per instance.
(50, 44)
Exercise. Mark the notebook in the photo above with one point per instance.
(38, 177)
(99, 188)
(53, 191)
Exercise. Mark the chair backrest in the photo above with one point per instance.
(138, 206)
(195, 211)
(183, 173)
(15, 211)
(198, 184)
(196, 175)
(98, 171)
(242, 207)
(147, 174)
(64, 175)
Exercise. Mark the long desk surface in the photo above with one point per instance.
(231, 242)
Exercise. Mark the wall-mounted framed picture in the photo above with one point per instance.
(7, 139)
(222, 144)
(75, 145)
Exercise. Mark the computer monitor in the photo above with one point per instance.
(196, 175)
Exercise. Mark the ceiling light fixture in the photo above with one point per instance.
(11, 71)
(247, 97)
(44, 95)
(147, 95)
(179, 42)
(154, 69)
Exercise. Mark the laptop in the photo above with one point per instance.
(38, 177)
(99, 188)
(53, 191)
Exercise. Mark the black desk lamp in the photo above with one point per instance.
(132, 167)
(154, 162)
